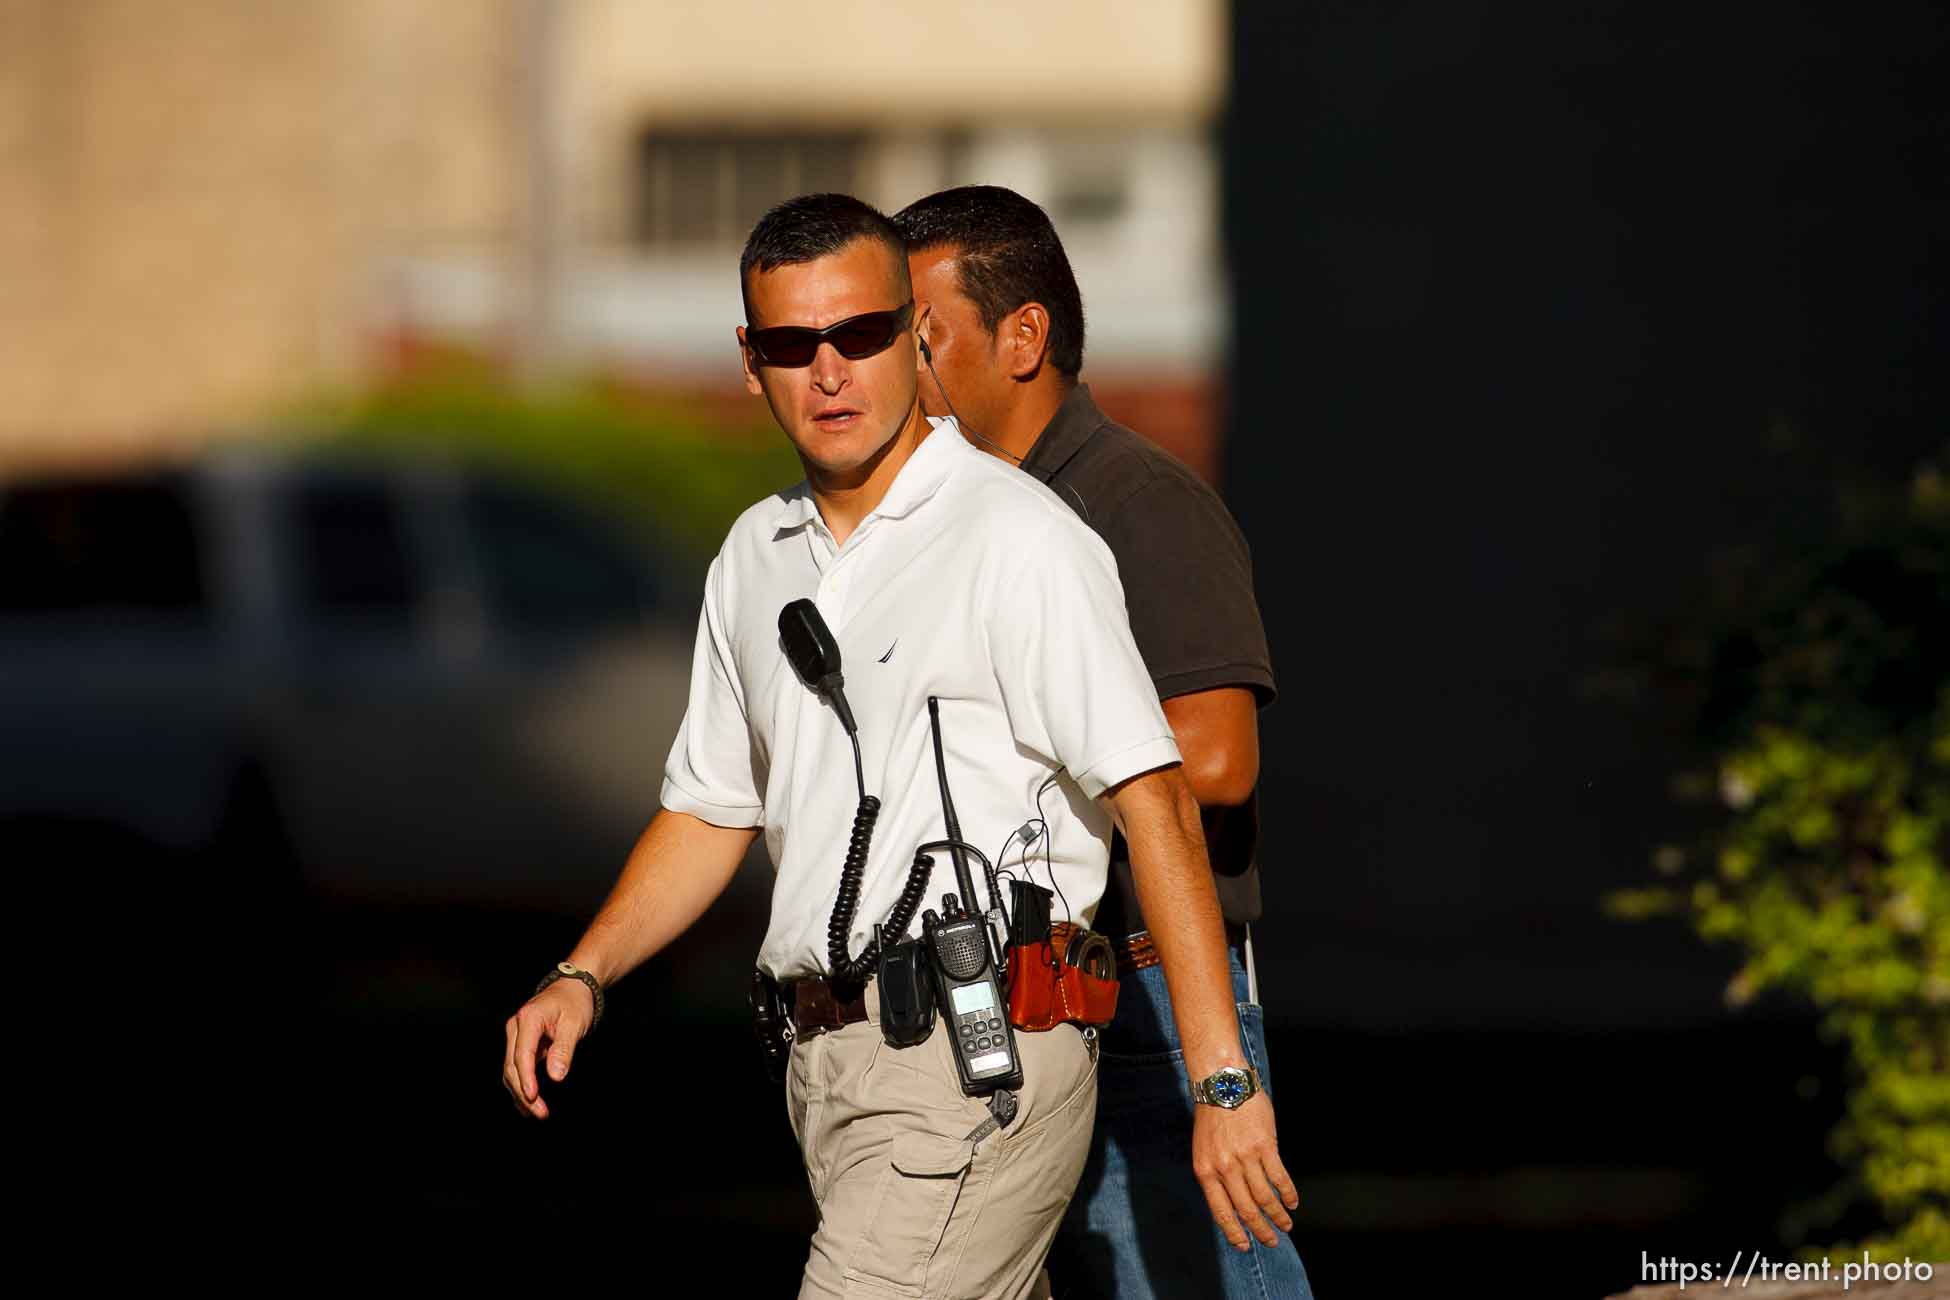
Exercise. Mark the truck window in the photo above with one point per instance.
(354, 569)
(126, 546)
(546, 568)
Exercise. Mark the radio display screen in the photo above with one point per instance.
(970, 998)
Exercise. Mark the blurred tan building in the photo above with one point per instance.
(212, 206)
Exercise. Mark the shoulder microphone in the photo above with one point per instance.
(815, 656)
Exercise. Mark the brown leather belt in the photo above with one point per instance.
(818, 1005)
(1137, 952)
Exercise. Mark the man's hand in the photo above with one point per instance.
(678, 868)
(1237, 1160)
(559, 1016)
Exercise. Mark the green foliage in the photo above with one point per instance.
(1827, 716)
(685, 467)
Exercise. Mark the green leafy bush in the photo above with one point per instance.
(1824, 704)
(686, 465)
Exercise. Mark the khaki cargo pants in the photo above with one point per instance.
(909, 1206)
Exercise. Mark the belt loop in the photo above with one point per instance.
(1252, 973)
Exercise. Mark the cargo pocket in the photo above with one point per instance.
(918, 1191)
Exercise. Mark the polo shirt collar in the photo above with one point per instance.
(926, 470)
(919, 479)
(1073, 425)
(795, 508)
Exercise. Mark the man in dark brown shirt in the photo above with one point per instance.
(1002, 328)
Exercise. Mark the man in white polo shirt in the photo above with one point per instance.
(941, 573)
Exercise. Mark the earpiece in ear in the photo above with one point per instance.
(927, 353)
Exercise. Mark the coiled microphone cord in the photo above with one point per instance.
(857, 970)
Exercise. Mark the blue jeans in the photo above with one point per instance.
(1139, 1227)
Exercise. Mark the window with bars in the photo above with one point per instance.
(710, 187)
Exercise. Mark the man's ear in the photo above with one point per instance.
(745, 360)
(1027, 331)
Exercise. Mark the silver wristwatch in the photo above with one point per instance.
(1230, 1087)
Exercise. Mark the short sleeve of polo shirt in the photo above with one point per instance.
(711, 770)
(1070, 676)
(1191, 600)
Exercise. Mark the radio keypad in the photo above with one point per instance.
(979, 1031)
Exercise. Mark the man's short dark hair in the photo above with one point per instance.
(1006, 254)
(813, 226)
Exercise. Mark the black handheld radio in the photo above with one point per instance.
(968, 978)
(971, 1000)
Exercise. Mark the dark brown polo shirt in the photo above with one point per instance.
(1188, 585)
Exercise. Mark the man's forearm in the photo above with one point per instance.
(1160, 821)
(678, 868)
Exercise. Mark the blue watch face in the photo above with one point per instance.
(1229, 1089)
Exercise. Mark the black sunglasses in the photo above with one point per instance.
(856, 338)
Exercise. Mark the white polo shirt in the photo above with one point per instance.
(971, 582)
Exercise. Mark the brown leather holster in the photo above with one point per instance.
(1069, 976)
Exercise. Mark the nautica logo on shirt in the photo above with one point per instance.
(890, 651)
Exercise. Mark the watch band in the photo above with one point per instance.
(1206, 1091)
(574, 972)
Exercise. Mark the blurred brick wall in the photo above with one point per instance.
(199, 201)
(193, 198)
